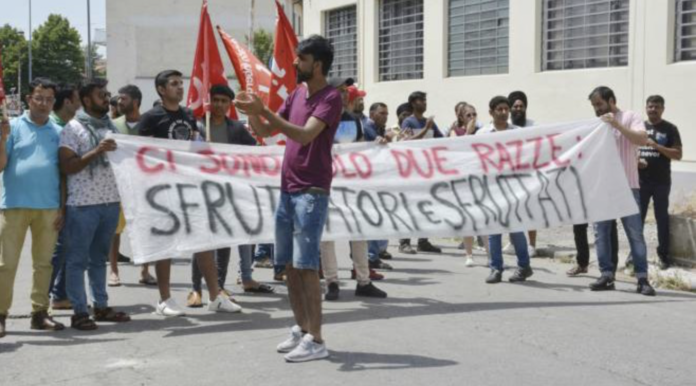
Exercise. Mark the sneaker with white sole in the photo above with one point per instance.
(292, 341)
(169, 307)
(308, 350)
(223, 303)
(469, 262)
(509, 249)
(532, 251)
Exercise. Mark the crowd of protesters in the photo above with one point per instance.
(59, 184)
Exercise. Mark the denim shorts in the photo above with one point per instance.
(300, 220)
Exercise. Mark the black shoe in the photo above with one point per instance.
(426, 246)
(575, 271)
(495, 277)
(123, 258)
(384, 255)
(521, 274)
(332, 292)
(369, 291)
(665, 264)
(604, 283)
(644, 287)
(379, 264)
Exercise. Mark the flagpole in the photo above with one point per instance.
(207, 126)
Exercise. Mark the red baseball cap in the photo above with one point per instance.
(354, 93)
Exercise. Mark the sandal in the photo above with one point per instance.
(82, 322)
(109, 315)
(148, 280)
(261, 289)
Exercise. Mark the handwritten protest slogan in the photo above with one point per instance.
(183, 197)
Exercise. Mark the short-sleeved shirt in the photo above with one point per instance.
(125, 127)
(162, 123)
(490, 128)
(628, 152)
(416, 125)
(31, 179)
(349, 129)
(371, 131)
(659, 169)
(310, 166)
(96, 183)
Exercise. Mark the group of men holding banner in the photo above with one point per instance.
(58, 180)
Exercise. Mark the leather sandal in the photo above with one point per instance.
(82, 322)
(109, 315)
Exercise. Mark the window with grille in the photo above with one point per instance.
(478, 37)
(341, 29)
(686, 30)
(400, 39)
(585, 34)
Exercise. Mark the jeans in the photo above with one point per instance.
(583, 247)
(89, 231)
(222, 262)
(519, 241)
(300, 220)
(374, 248)
(633, 225)
(58, 291)
(266, 250)
(659, 193)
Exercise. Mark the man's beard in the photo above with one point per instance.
(303, 76)
(519, 118)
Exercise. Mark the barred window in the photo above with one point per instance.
(585, 34)
(400, 39)
(341, 30)
(478, 37)
(686, 30)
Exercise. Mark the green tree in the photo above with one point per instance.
(263, 46)
(56, 51)
(14, 54)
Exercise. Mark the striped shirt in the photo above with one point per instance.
(628, 152)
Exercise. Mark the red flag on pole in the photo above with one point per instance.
(208, 69)
(2, 85)
(253, 76)
(283, 78)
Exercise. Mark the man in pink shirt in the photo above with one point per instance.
(629, 133)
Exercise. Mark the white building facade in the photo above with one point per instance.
(556, 51)
(145, 37)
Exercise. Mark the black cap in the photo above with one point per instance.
(338, 81)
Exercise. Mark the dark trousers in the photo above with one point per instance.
(222, 261)
(583, 246)
(659, 193)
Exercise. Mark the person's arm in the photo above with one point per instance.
(251, 105)
(60, 219)
(4, 136)
(428, 125)
(674, 153)
(70, 162)
(636, 137)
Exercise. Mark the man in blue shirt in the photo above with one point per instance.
(31, 199)
(418, 127)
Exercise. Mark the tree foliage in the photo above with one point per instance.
(56, 51)
(263, 46)
(14, 53)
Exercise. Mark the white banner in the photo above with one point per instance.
(183, 197)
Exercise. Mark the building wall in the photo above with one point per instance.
(554, 96)
(145, 37)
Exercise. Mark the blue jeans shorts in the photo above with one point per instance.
(300, 220)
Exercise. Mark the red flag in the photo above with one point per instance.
(208, 69)
(253, 76)
(283, 80)
(2, 85)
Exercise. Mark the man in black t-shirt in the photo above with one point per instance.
(169, 120)
(664, 145)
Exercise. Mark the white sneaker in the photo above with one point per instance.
(509, 249)
(531, 250)
(469, 262)
(223, 303)
(308, 350)
(292, 342)
(169, 308)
